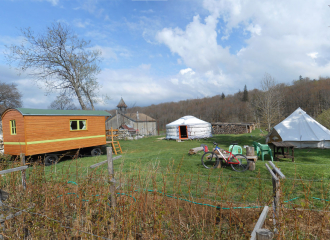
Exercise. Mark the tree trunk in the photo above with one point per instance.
(82, 104)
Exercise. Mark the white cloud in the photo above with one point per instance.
(138, 85)
(106, 52)
(53, 2)
(197, 44)
(80, 23)
(91, 6)
(283, 39)
(147, 11)
(186, 71)
(313, 55)
(8, 40)
(145, 26)
(175, 81)
(254, 29)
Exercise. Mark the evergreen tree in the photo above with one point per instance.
(223, 96)
(245, 95)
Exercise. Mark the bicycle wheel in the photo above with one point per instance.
(243, 163)
(210, 160)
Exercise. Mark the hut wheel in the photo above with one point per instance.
(51, 159)
(96, 151)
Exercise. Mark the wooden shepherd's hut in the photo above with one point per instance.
(40, 131)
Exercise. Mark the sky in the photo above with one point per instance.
(156, 51)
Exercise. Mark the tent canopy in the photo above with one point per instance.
(188, 127)
(301, 130)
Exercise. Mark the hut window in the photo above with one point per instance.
(12, 127)
(76, 125)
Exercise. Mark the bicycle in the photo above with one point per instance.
(238, 162)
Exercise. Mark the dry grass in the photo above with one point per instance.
(81, 209)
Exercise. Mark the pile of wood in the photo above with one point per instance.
(232, 128)
(195, 150)
(118, 134)
(122, 134)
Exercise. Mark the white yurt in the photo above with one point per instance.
(301, 130)
(188, 127)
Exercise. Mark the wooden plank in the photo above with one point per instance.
(101, 163)
(254, 158)
(260, 222)
(13, 169)
(282, 144)
(278, 171)
(271, 172)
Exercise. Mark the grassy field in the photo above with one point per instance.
(309, 174)
(174, 195)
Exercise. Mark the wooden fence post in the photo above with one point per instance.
(2, 218)
(22, 155)
(259, 223)
(264, 234)
(276, 190)
(111, 178)
(276, 175)
(112, 187)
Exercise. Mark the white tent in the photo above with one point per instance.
(302, 131)
(188, 127)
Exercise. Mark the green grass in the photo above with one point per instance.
(153, 155)
(165, 166)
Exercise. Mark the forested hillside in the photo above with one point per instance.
(268, 106)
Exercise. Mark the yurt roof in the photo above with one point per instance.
(299, 126)
(187, 120)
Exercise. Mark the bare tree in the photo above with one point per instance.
(10, 97)
(62, 102)
(268, 102)
(59, 59)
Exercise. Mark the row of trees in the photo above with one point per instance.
(267, 106)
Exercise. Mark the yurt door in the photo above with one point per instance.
(183, 132)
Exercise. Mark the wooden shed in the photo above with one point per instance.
(40, 131)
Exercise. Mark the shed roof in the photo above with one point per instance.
(51, 112)
(139, 117)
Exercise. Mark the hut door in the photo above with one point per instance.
(183, 132)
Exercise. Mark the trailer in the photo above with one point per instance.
(52, 132)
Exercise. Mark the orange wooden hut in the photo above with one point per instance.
(42, 131)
